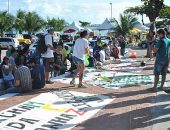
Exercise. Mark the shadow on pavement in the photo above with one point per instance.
(136, 114)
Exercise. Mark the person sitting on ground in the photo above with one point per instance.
(7, 73)
(95, 48)
(37, 74)
(23, 82)
(107, 50)
(14, 54)
(22, 76)
(100, 55)
(115, 52)
(59, 66)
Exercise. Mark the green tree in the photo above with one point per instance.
(20, 21)
(151, 8)
(58, 24)
(164, 17)
(126, 23)
(83, 24)
(33, 22)
(6, 22)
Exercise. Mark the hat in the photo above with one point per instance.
(5, 58)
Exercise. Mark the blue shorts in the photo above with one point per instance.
(161, 67)
(77, 61)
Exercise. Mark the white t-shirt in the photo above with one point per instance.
(102, 56)
(48, 41)
(79, 48)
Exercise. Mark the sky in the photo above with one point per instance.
(93, 11)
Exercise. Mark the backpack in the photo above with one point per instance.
(41, 46)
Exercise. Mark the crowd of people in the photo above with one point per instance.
(22, 71)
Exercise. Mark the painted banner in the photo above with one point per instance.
(55, 110)
(128, 69)
(121, 80)
(132, 80)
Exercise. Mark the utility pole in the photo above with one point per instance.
(8, 6)
(111, 9)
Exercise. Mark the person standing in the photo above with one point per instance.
(162, 50)
(150, 41)
(48, 56)
(122, 43)
(81, 48)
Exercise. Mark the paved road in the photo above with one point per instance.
(134, 108)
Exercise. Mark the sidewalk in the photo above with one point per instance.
(133, 108)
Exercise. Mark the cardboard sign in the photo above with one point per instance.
(55, 110)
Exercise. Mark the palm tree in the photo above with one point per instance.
(6, 22)
(58, 24)
(151, 8)
(126, 23)
(20, 21)
(84, 24)
(33, 22)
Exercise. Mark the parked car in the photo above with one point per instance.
(66, 38)
(142, 44)
(7, 41)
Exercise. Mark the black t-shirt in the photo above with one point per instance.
(38, 76)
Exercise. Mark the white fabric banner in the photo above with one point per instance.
(55, 110)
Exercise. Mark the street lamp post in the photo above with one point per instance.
(111, 9)
(8, 6)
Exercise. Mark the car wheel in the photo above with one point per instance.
(144, 45)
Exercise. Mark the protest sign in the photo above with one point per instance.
(55, 110)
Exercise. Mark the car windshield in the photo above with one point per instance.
(64, 36)
(26, 36)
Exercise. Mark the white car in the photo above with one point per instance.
(7, 41)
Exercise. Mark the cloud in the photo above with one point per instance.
(94, 11)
